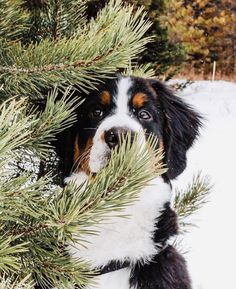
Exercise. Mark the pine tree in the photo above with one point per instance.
(50, 48)
(165, 56)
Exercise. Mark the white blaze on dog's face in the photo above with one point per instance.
(131, 105)
(119, 121)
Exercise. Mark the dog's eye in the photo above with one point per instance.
(97, 113)
(145, 115)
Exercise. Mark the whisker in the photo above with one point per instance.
(81, 158)
(92, 128)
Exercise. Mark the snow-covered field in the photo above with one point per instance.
(212, 246)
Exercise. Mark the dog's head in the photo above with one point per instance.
(131, 104)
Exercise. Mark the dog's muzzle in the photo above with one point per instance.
(109, 135)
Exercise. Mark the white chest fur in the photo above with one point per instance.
(126, 238)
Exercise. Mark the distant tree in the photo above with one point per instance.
(165, 56)
(207, 29)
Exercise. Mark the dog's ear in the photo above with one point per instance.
(181, 127)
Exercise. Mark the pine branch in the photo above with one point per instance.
(27, 245)
(118, 35)
(189, 201)
(52, 68)
(31, 130)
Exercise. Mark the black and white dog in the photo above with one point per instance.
(133, 253)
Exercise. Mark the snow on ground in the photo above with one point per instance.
(212, 246)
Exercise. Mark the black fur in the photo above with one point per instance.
(167, 270)
(181, 127)
(166, 225)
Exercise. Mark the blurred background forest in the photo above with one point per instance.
(189, 35)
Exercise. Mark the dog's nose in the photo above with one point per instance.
(114, 136)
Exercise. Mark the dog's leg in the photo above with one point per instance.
(167, 271)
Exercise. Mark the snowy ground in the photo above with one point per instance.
(212, 246)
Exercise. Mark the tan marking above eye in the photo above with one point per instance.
(105, 98)
(139, 99)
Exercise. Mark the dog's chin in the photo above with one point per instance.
(95, 169)
(98, 159)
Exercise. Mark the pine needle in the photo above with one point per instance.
(190, 201)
